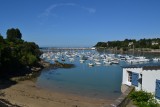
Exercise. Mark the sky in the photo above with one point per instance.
(80, 23)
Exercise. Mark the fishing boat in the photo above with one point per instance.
(90, 64)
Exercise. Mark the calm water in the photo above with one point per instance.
(102, 81)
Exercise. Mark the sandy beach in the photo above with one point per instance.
(26, 94)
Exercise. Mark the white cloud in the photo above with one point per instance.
(90, 10)
(48, 11)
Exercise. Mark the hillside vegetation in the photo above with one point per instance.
(128, 44)
(15, 53)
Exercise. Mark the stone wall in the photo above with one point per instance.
(123, 100)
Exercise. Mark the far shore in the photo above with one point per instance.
(26, 94)
(131, 51)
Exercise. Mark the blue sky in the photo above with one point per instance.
(78, 23)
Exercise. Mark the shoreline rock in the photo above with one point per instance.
(36, 70)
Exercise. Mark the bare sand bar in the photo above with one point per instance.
(26, 94)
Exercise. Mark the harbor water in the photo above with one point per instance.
(102, 81)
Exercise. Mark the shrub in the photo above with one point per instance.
(141, 96)
(143, 99)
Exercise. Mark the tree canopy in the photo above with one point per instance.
(16, 53)
(13, 34)
(131, 43)
(1, 39)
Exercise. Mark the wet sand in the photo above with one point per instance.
(26, 94)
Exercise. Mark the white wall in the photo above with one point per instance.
(125, 76)
(149, 80)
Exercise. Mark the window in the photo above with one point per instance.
(157, 92)
(129, 76)
(135, 79)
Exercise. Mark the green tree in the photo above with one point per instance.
(143, 99)
(6, 56)
(15, 53)
(1, 46)
(31, 59)
(31, 47)
(1, 39)
(13, 34)
(99, 44)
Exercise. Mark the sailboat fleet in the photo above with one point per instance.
(92, 58)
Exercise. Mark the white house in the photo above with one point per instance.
(130, 43)
(145, 78)
(155, 43)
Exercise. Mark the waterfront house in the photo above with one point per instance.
(146, 78)
(130, 43)
(155, 43)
